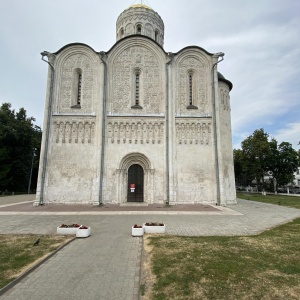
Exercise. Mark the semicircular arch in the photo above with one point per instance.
(135, 158)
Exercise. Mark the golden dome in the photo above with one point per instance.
(140, 5)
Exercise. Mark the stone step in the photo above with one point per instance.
(134, 204)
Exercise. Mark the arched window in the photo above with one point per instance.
(139, 29)
(137, 89)
(156, 35)
(191, 100)
(190, 89)
(77, 88)
(121, 32)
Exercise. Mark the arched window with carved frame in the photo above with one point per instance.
(137, 88)
(77, 88)
(122, 32)
(156, 35)
(138, 29)
(191, 90)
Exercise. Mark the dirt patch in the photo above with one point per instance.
(147, 276)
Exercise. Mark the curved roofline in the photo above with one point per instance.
(227, 82)
(131, 9)
(190, 47)
(74, 44)
(223, 79)
(220, 78)
(135, 35)
(129, 36)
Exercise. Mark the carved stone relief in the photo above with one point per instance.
(129, 29)
(73, 62)
(193, 132)
(224, 99)
(139, 132)
(194, 65)
(143, 16)
(149, 30)
(151, 93)
(74, 132)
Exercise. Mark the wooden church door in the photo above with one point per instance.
(135, 184)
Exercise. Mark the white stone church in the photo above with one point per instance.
(136, 123)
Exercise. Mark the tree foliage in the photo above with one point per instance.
(18, 137)
(256, 155)
(259, 156)
(284, 162)
(239, 170)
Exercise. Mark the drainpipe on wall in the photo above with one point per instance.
(45, 53)
(170, 55)
(102, 56)
(219, 54)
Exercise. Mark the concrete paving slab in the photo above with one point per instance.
(16, 199)
(107, 264)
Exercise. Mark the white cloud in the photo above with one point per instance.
(259, 38)
(290, 133)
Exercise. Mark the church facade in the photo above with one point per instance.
(136, 123)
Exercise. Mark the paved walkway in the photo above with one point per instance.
(107, 264)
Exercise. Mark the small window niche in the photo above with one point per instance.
(191, 88)
(77, 89)
(137, 89)
(121, 32)
(139, 29)
(156, 35)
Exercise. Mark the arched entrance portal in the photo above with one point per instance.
(135, 187)
(147, 173)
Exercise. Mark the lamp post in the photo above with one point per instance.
(32, 159)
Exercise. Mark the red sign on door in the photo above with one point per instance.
(132, 187)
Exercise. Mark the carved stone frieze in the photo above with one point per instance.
(67, 93)
(135, 132)
(199, 89)
(142, 17)
(149, 30)
(129, 29)
(193, 132)
(132, 18)
(151, 87)
(74, 131)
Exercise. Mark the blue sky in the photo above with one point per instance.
(260, 40)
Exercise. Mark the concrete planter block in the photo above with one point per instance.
(83, 233)
(154, 228)
(137, 231)
(66, 230)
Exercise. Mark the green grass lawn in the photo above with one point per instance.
(266, 266)
(290, 201)
(17, 253)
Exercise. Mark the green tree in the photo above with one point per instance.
(283, 163)
(239, 170)
(18, 136)
(256, 156)
(259, 156)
